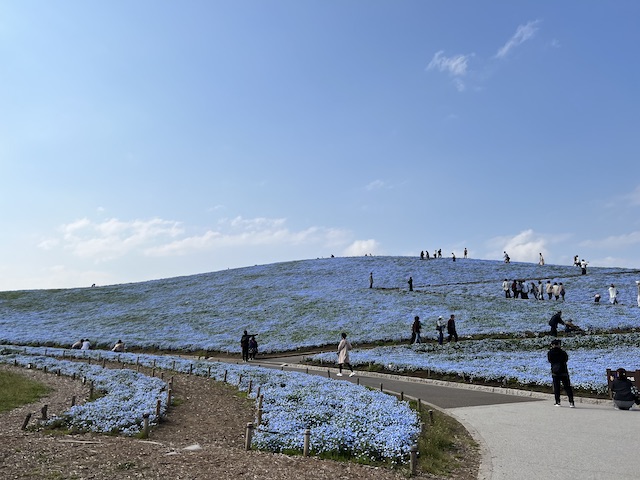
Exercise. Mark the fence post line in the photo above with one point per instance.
(307, 438)
(145, 428)
(248, 436)
(413, 459)
(26, 421)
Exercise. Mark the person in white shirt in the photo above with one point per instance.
(541, 261)
(613, 294)
(86, 345)
(507, 288)
(638, 285)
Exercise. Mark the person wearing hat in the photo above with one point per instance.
(440, 329)
(613, 294)
(558, 359)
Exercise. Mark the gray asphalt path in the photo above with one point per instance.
(522, 435)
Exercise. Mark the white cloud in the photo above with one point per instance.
(455, 66)
(634, 197)
(362, 247)
(111, 238)
(523, 247)
(523, 33)
(375, 185)
(613, 242)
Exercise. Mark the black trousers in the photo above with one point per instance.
(566, 383)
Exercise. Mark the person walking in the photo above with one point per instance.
(558, 359)
(540, 290)
(556, 290)
(563, 291)
(371, 280)
(556, 319)
(465, 252)
(440, 330)
(613, 295)
(507, 259)
(415, 330)
(244, 345)
(549, 289)
(253, 347)
(410, 282)
(343, 355)
(451, 329)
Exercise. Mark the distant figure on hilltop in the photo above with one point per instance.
(576, 261)
(465, 252)
(439, 253)
(507, 258)
(371, 280)
(541, 260)
(596, 298)
(453, 256)
(638, 286)
(583, 266)
(422, 255)
(410, 282)
(426, 254)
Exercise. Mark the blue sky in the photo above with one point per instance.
(143, 140)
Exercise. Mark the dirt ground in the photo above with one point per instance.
(201, 438)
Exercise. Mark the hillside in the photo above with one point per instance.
(308, 303)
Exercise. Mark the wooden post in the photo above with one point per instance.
(104, 362)
(158, 408)
(259, 417)
(260, 399)
(225, 377)
(307, 438)
(248, 436)
(138, 368)
(44, 369)
(43, 411)
(307, 371)
(250, 385)
(173, 365)
(419, 405)
(258, 392)
(209, 371)
(402, 396)
(358, 381)
(73, 400)
(145, 422)
(431, 416)
(91, 390)
(26, 421)
(153, 372)
(190, 368)
(169, 398)
(413, 459)
(381, 387)
(328, 374)
(239, 379)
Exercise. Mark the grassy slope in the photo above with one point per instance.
(307, 303)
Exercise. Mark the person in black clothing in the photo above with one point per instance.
(451, 329)
(553, 323)
(622, 389)
(415, 330)
(253, 347)
(410, 282)
(244, 344)
(558, 359)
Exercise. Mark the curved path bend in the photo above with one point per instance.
(522, 435)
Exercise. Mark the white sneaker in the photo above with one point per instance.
(352, 374)
(572, 405)
(556, 404)
(339, 374)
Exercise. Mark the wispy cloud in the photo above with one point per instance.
(613, 242)
(456, 66)
(375, 185)
(634, 197)
(523, 33)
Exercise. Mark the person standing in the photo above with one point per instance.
(453, 256)
(541, 260)
(440, 330)
(507, 259)
(613, 295)
(638, 285)
(343, 355)
(583, 267)
(451, 329)
(540, 290)
(415, 330)
(465, 252)
(371, 280)
(506, 288)
(410, 282)
(563, 291)
(549, 289)
(244, 345)
(253, 347)
(534, 290)
(558, 359)
(556, 290)
(556, 319)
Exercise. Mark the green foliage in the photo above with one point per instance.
(17, 390)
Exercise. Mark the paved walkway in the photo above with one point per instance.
(521, 434)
